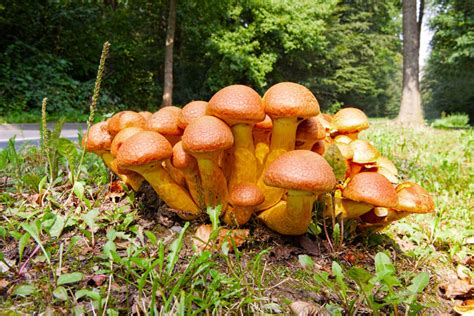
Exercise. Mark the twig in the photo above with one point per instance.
(327, 236)
(28, 259)
(109, 288)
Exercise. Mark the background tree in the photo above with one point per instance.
(168, 77)
(449, 77)
(411, 112)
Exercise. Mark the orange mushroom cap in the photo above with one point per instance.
(371, 188)
(246, 195)
(165, 121)
(98, 139)
(191, 111)
(288, 99)
(237, 104)
(364, 152)
(301, 170)
(350, 120)
(207, 134)
(125, 119)
(122, 136)
(413, 198)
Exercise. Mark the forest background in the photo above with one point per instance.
(349, 53)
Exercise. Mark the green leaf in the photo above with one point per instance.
(70, 278)
(214, 213)
(90, 219)
(151, 237)
(34, 230)
(24, 290)
(60, 293)
(91, 294)
(383, 265)
(419, 283)
(68, 150)
(175, 249)
(306, 262)
(72, 243)
(58, 226)
(24, 240)
(3, 232)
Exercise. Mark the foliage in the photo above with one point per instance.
(454, 120)
(356, 287)
(345, 51)
(450, 72)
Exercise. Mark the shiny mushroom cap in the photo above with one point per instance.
(301, 170)
(350, 120)
(288, 99)
(414, 199)
(237, 104)
(181, 159)
(325, 120)
(165, 121)
(123, 120)
(364, 152)
(207, 134)
(191, 111)
(310, 129)
(246, 195)
(266, 124)
(122, 136)
(371, 188)
(143, 148)
(344, 139)
(98, 140)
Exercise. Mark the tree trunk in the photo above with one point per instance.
(168, 77)
(411, 112)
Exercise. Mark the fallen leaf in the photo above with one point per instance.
(232, 236)
(99, 279)
(310, 246)
(3, 284)
(300, 308)
(458, 288)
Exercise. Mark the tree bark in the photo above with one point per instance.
(411, 112)
(168, 76)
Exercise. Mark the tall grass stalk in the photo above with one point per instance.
(93, 107)
(45, 140)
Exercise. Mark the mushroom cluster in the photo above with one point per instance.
(269, 157)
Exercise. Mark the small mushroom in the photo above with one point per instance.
(191, 111)
(188, 165)
(308, 133)
(123, 120)
(350, 121)
(287, 104)
(241, 108)
(144, 153)
(305, 175)
(205, 139)
(244, 199)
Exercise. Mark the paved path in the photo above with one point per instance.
(31, 132)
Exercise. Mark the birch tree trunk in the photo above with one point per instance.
(168, 76)
(411, 112)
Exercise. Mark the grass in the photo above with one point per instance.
(94, 248)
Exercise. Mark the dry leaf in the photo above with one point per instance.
(232, 236)
(458, 288)
(300, 308)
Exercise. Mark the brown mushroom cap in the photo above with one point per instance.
(181, 159)
(191, 111)
(122, 136)
(310, 129)
(237, 104)
(300, 170)
(207, 134)
(413, 198)
(371, 188)
(165, 121)
(266, 124)
(288, 99)
(146, 114)
(143, 148)
(350, 120)
(98, 139)
(364, 152)
(246, 195)
(123, 120)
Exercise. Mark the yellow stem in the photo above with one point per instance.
(284, 133)
(213, 182)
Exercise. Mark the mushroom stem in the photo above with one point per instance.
(170, 192)
(214, 183)
(272, 194)
(290, 217)
(284, 133)
(134, 180)
(244, 163)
